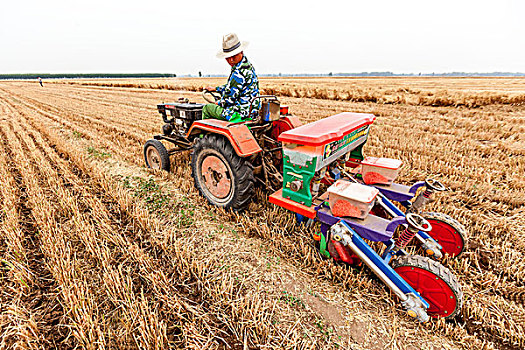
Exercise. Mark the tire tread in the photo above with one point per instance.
(163, 153)
(242, 170)
(456, 225)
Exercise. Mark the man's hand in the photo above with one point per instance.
(209, 88)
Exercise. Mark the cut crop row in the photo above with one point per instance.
(31, 314)
(481, 307)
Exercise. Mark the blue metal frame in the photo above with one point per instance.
(398, 212)
(383, 265)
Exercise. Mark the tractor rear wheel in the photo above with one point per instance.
(224, 178)
(434, 282)
(449, 233)
(156, 155)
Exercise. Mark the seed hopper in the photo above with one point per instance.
(327, 179)
(318, 171)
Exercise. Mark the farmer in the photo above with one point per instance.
(241, 88)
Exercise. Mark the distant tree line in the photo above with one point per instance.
(86, 75)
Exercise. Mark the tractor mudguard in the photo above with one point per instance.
(292, 120)
(238, 134)
(284, 124)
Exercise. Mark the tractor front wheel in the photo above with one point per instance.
(434, 282)
(224, 178)
(156, 155)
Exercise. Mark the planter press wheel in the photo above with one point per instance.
(449, 233)
(156, 155)
(434, 282)
(220, 175)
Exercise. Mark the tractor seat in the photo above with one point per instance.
(269, 110)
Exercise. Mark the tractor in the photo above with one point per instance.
(227, 159)
(318, 171)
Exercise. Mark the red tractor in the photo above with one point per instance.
(227, 159)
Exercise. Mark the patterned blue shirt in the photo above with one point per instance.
(238, 92)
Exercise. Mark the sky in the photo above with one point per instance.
(182, 37)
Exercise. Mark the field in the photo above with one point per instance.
(99, 252)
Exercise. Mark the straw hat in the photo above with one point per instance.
(231, 46)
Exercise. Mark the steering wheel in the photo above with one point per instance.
(211, 96)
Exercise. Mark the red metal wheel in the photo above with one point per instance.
(220, 175)
(434, 282)
(217, 176)
(449, 233)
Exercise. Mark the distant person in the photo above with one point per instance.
(241, 88)
(40, 81)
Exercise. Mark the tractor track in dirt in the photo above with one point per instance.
(473, 326)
